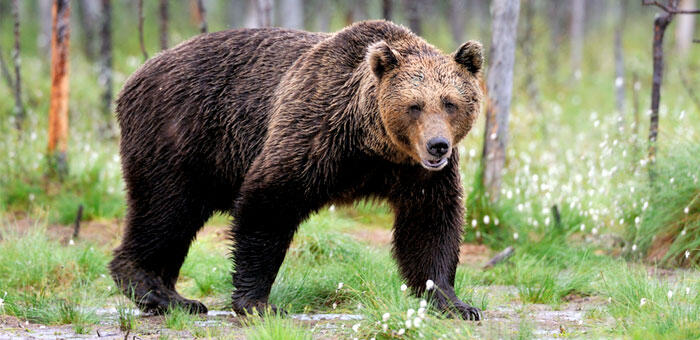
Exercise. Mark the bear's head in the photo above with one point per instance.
(427, 101)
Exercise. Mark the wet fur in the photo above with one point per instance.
(271, 125)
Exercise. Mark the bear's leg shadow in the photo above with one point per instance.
(160, 226)
(427, 233)
(265, 220)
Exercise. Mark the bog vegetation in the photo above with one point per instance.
(595, 222)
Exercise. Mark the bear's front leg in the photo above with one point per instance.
(266, 217)
(427, 233)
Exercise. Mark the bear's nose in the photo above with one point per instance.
(438, 146)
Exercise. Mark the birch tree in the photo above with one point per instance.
(105, 77)
(500, 87)
(17, 61)
(292, 14)
(58, 107)
(576, 33)
(685, 27)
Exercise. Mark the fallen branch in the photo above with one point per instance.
(500, 257)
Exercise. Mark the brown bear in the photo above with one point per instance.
(270, 125)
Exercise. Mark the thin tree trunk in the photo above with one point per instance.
(141, 41)
(578, 11)
(6, 72)
(387, 9)
(58, 109)
(685, 27)
(292, 14)
(660, 24)
(105, 77)
(413, 15)
(500, 87)
(202, 16)
(457, 17)
(88, 16)
(620, 65)
(163, 24)
(44, 36)
(263, 10)
(19, 107)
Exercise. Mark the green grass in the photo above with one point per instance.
(274, 327)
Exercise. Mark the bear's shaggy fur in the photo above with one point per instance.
(270, 125)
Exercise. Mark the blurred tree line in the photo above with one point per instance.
(106, 30)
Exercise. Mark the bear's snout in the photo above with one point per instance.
(438, 146)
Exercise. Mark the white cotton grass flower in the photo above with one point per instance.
(429, 285)
(385, 327)
(408, 323)
(474, 223)
(634, 247)
(487, 220)
(686, 210)
(416, 322)
(687, 253)
(423, 303)
(401, 331)
(421, 312)
(642, 302)
(687, 290)
(356, 327)
(515, 236)
(669, 294)
(385, 317)
(409, 313)
(340, 285)
(335, 305)
(404, 287)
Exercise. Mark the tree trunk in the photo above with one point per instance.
(88, 17)
(163, 8)
(105, 77)
(685, 27)
(263, 11)
(660, 24)
(500, 87)
(387, 9)
(413, 15)
(292, 14)
(58, 108)
(323, 19)
(141, 41)
(19, 107)
(578, 10)
(200, 14)
(620, 65)
(457, 18)
(6, 72)
(44, 36)
(556, 14)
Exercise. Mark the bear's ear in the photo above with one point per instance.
(470, 56)
(381, 58)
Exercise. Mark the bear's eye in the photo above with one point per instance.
(414, 109)
(449, 106)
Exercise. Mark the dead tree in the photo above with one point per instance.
(58, 108)
(263, 12)
(661, 22)
(413, 15)
(387, 9)
(163, 8)
(105, 77)
(19, 107)
(620, 64)
(88, 17)
(576, 32)
(685, 27)
(457, 9)
(141, 41)
(201, 16)
(500, 87)
(292, 14)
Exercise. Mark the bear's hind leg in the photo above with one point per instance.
(157, 237)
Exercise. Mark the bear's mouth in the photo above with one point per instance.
(434, 165)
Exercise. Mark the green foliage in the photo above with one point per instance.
(664, 220)
(274, 327)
